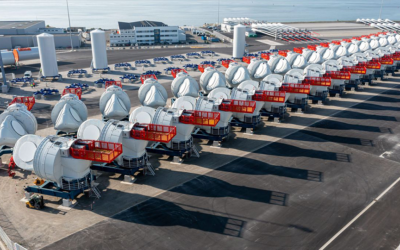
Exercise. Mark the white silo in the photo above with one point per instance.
(239, 41)
(47, 53)
(99, 53)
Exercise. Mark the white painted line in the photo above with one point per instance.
(269, 42)
(272, 47)
(358, 215)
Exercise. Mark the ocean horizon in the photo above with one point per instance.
(106, 14)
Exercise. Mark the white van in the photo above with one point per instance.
(28, 74)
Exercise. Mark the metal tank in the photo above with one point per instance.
(23, 54)
(8, 57)
(239, 41)
(99, 50)
(47, 53)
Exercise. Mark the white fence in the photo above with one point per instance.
(9, 243)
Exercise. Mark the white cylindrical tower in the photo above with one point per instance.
(239, 41)
(26, 53)
(47, 53)
(8, 57)
(99, 47)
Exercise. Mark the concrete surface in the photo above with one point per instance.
(291, 185)
(298, 188)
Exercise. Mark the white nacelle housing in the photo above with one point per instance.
(184, 85)
(294, 76)
(152, 94)
(272, 83)
(114, 103)
(211, 105)
(235, 74)
(245, 91)
(333, 65)
(365, 45)
(211, 79)
(69, 113)
(50, 159)
(315, 70)
(258, 69)
(374, 42)
(15, 122)
(117, 132)
(278, 64)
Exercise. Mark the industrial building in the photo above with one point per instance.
(23, 34)
(229, 23)
(270, 181)
(146, 33)
(21, 27)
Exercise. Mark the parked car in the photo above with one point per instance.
(28, 74)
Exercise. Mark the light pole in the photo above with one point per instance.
(2, 70)
(218, 14)
(69, 21)
(380, 12)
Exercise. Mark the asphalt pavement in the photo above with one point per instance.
(295, 193)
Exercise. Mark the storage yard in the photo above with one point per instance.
(289, 182)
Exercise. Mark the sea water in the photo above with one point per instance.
(107, 13)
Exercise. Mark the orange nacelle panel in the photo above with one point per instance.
(318, 81)
(99, 151)
(238, 106)
(148, 76)
(110, 83)
(75, 91)
(296, 88)
(201, 118)
(29, 101)
(153, 132)
(269, 96)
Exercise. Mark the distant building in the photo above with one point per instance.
(52, 30)
(146, 33)
(21, 27)
(23, 34)
(229, 23)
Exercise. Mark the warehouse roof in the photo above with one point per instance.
(17, 24)
(144, 23)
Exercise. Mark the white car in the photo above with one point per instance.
(28, 74)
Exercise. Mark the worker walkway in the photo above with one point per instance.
(296, 191)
